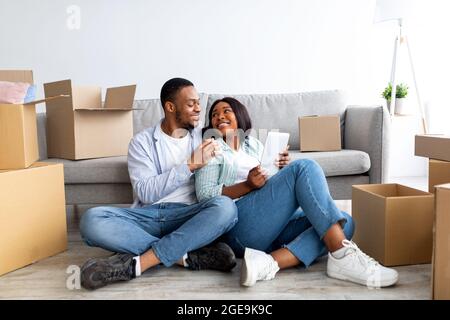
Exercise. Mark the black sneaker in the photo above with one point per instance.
(99, 272)
(217, 256)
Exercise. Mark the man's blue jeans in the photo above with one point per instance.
(170, 229)
(272, 217)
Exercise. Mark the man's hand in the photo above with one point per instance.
(203, 154)
(256, 178)
(283, 159)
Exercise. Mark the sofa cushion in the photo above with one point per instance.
(115, 169)
(337, 163)
(281, 111)
(151, 112)
(102, 170)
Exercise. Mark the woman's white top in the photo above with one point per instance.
(244, 163)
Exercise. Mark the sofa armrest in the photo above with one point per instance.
(41, 119)
(367, 129)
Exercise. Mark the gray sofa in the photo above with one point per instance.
(363, 159)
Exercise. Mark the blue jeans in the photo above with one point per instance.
(170, 229)
(270, 217)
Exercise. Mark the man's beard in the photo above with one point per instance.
(183, 124)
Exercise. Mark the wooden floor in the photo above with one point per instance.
(47, 279)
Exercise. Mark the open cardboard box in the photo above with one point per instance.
(441, 249)
(32, 215)
(433, 146)
(18, 129)
(394, 223)
(320, 133)
(80, 127)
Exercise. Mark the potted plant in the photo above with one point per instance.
(400, 95)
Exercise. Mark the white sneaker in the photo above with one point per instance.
(358, 267)
(257, 265)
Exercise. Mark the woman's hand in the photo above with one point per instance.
(283, 159)
(256, 178)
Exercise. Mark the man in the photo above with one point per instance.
(166, 224)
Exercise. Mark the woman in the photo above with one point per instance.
(272, 232)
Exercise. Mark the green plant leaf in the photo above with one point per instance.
(401, 92)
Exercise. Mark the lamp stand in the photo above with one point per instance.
(399, 40)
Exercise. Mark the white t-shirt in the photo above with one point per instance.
(177, 151)
(244, 164)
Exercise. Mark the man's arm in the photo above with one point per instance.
(148, 185)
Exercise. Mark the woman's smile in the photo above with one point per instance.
(223, 124)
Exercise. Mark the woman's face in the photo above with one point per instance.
(223, 118)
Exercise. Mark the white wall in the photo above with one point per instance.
(227, 46)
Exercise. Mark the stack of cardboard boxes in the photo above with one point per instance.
(32, 198)
(437, 149)
(32, 203)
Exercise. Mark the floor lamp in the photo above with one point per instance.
(388, 10)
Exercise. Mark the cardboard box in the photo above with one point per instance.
(438, 173)
(320, 133)
(393, 223)
(18, 129)
(440, 276)
(433, 147)
(32, 215)
(441, 249)
(80, 127)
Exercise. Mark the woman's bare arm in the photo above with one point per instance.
(237, 190)
(255, 180)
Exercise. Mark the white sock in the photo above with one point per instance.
(137, 268)
(339, 253)
(184, 260)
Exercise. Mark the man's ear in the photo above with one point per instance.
(170, 107)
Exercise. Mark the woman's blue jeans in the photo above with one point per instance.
(294, 209)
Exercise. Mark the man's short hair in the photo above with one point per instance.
(170, 89)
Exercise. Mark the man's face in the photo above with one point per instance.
(187, 108)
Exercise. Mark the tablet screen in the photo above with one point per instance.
(276, 142)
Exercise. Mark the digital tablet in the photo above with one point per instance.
(276, 142)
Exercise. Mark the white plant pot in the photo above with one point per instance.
(400, 107)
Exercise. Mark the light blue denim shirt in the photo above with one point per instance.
(221, 171)
(146, 162)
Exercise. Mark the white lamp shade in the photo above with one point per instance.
(392, 10)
